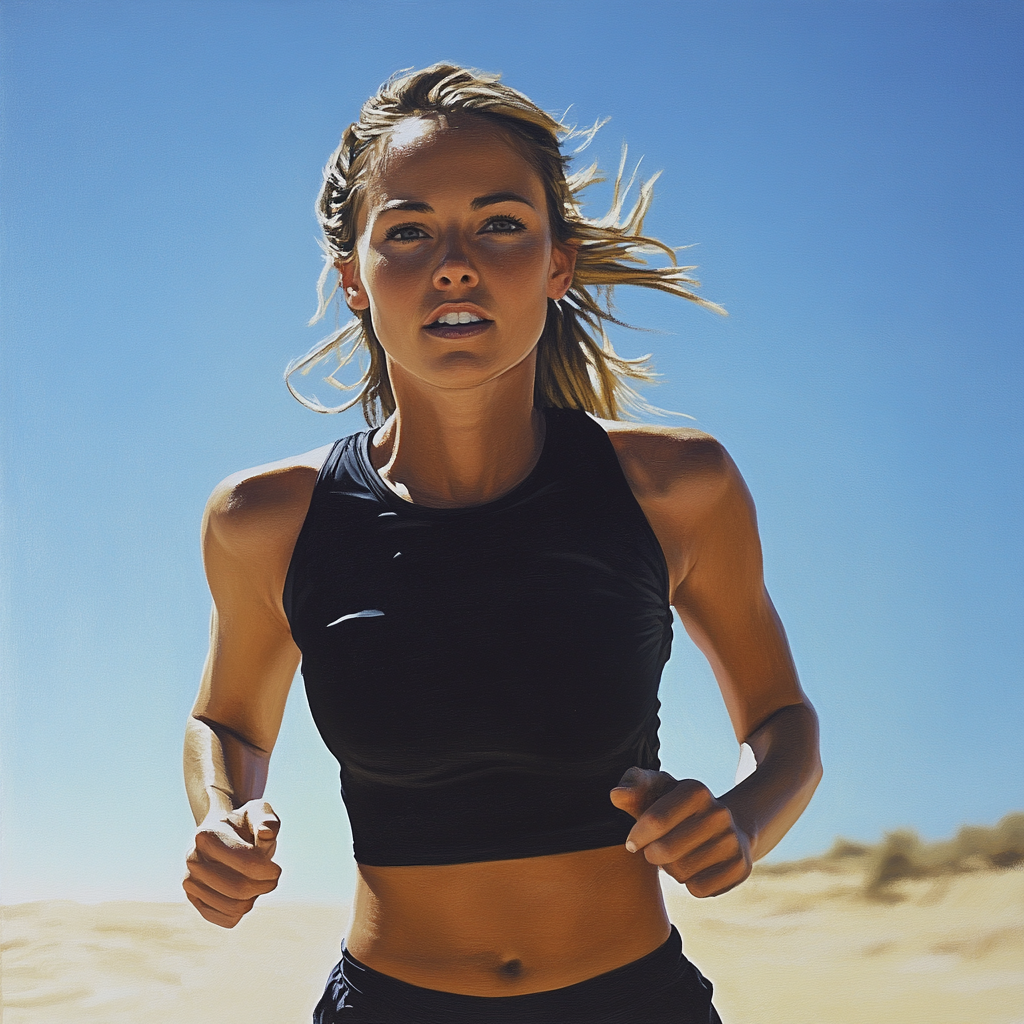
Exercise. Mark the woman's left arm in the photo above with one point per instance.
(704, 518)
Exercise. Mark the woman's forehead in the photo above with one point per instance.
(448, 153)
(423, 131)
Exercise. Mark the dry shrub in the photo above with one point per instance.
(839, 859)
(902, 854)
(846, 849)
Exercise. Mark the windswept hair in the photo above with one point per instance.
(577, 367)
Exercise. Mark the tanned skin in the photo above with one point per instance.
(464, 433)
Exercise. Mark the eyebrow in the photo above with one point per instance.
(499, 197)
(491, 199)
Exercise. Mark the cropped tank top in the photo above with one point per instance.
(484, 675)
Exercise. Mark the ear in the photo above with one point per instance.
(352, 285)
(561, 269)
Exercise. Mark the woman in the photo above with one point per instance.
(480, 590)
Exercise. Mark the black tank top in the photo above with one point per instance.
(483, 675)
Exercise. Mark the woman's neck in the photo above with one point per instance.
(460, 447)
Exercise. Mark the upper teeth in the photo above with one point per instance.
(458, 318)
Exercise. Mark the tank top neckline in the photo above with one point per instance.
(381, 490)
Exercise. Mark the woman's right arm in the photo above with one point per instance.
(249, 530)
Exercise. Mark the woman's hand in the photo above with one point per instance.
(681, 827)
(230, 864)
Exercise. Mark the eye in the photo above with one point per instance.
(405, 233)
(504, 225)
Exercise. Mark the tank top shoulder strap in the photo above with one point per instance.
(339, 474)
(341, 468)
(583, 451)
(581, 447)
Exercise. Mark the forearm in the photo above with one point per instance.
(222, 771)
(766, 804)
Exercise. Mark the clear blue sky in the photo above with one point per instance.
(851, 172)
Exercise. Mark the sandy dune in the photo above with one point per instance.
(160, 963)
(804, 947)
(809, 948)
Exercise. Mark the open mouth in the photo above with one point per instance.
(457, 325)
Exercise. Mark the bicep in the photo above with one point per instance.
(724, 605)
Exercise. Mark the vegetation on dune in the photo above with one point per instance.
(903, 854)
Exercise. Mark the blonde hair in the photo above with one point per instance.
(577, 367)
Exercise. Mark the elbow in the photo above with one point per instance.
(789, 741)
(817, 771)
(813, 770)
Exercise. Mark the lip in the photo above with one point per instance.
(453, 332)
(458, 307)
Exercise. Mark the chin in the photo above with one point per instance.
(466, 369)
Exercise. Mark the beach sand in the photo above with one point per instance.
(803, 946)
(810, 947)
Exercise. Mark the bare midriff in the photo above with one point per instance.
(508, 927)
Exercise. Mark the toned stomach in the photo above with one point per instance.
(508, 927)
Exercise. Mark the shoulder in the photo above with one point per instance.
(262, 507)
(672, 462)
(690, 491)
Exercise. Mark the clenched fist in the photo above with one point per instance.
(681, 827)
(230, 864)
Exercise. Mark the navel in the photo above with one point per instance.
(511, 969)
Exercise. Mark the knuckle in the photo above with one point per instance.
(198, 874)
(725, 843)
(704, 797)
(658, 817)
(194, 889)
(703, 886)
(721, 817)
(241, 889)
(728, 845)
(654, 854)
(207, 840)
(675, 871)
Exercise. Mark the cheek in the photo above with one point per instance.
(392, 287)
(391, 277)
(524, 276)
(526, 321)
(524, 263)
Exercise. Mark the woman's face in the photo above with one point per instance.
(454, 225)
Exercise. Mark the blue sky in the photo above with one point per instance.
(851, 175)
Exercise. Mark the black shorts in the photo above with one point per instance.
(660, 988)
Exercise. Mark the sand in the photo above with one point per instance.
(809, 947)
(798, 947)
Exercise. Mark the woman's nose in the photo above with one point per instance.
(455, 270)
